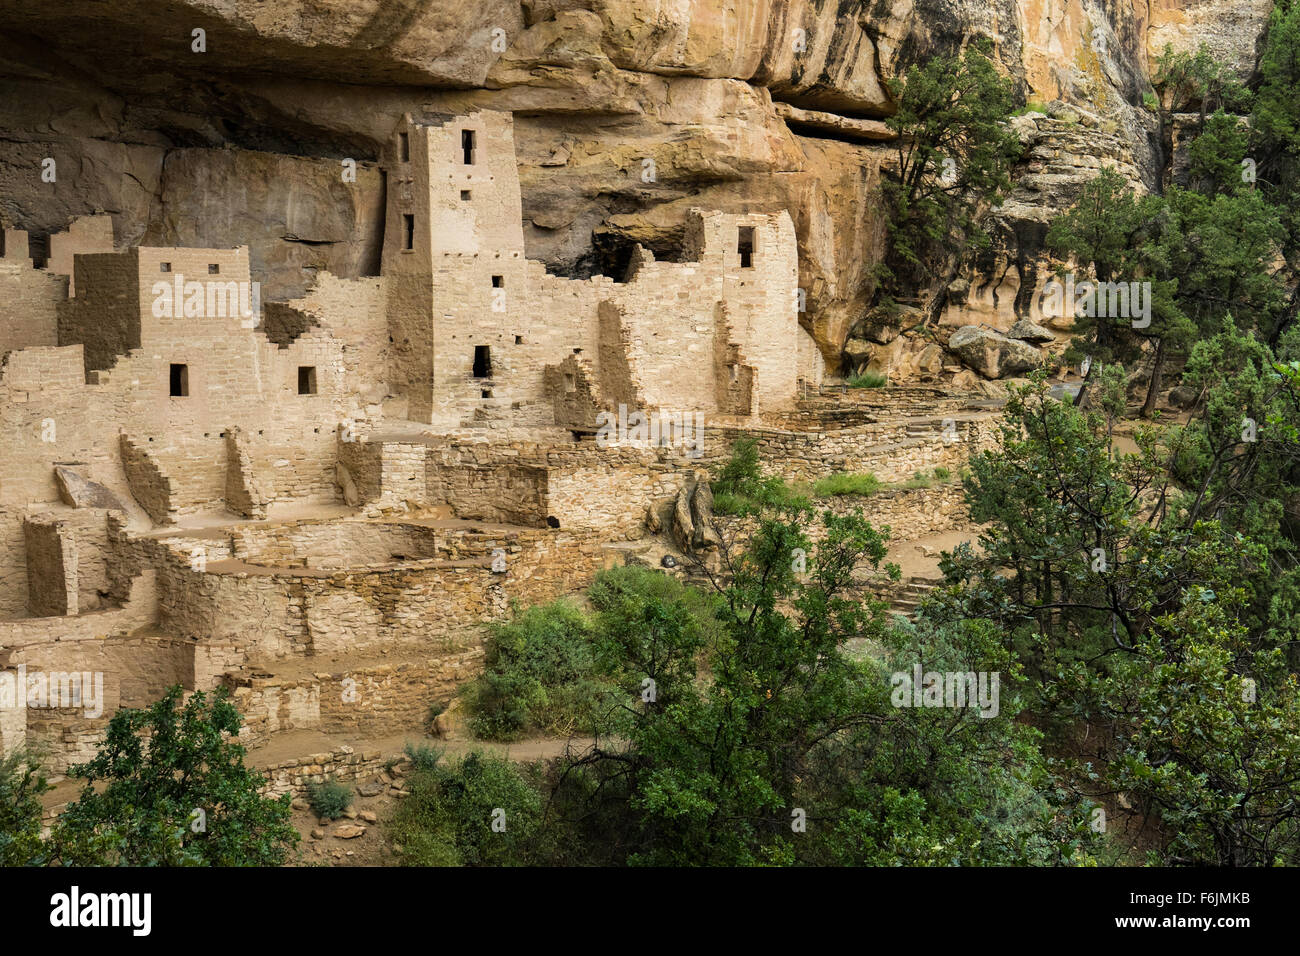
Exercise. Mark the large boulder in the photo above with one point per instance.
(1027, 331)
(930, 361)
(857, 352)
(992, 354)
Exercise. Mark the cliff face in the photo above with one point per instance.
(740, 104)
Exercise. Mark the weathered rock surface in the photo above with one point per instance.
(706, 535)
(80, 492)
(744, 105)
(1182, 397)
(347, 487)
(1028, 331)
(992, 354)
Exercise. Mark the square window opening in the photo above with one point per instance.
(498, 282)
(482, 361)
(214, 269)
(164, 267)
(464, 195)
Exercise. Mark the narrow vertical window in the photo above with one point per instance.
(467, 146)
(745, 246)
(180, 381)
(408, 224)
(404, 147)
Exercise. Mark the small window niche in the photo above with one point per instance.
(570, 382)
(465, 195)
(179, 384)
(408, 230)
(214, 268)
(38, 247)
(306, 379)
(404, 147)
(482, 361)
(164, 267)
(519, 340)
(745, 246)
(468, 144)
(498, 282)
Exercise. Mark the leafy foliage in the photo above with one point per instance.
(479, 811)
(868, 380)
(1135, 604)
(954, 151)
(21, 786)
(537, 677)
(169, 788)
(846, 483)
(329, 799)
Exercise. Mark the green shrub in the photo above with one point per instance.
(448, 820)
(642, 614)
(1033, 106)
(847, 483)
(739, 486)
(725, 503)
(614, 589)
(154, 768)
(537, 675)
(868, 380)
(918, 480)
(742, 473)
(942, 473)
(330, 799)
(21, 786)
(423, 756)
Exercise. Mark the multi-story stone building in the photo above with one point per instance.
(196, 486)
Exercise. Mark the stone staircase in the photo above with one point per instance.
(912, 592)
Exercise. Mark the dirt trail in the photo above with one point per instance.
(919, 557)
